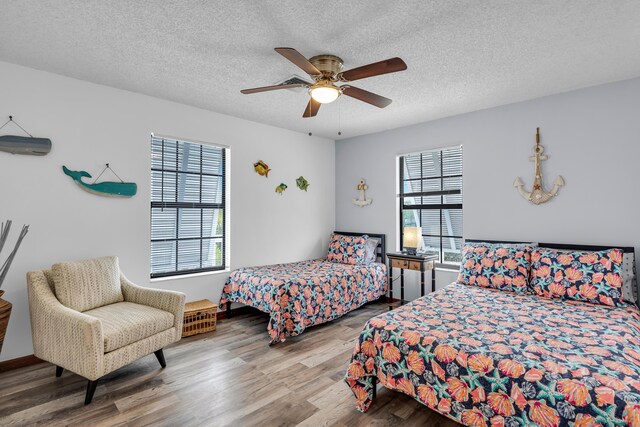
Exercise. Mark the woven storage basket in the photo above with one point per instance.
(199, 317)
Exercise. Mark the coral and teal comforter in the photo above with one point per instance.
(306, 293)
(485, 357)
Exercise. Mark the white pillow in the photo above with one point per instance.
(370, 250)
(629, 288)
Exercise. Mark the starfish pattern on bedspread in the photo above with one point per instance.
(307, 293)
(485, 357)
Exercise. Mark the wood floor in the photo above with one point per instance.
(230, 377)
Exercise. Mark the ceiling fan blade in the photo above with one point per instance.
(366, 96)
(296, 57)
(268, 88)
(376, 69)
(312, 108)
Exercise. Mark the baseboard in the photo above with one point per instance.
(20, 362)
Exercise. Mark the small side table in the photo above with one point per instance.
(419, 262)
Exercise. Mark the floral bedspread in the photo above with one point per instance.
(484, 357)
(306, 293)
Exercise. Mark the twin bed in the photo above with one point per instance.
(486, 357)
(307, 293)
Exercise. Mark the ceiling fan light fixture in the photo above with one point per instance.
(325, 71)
(324, 93)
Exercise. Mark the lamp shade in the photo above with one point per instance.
(324, 93)
(412, 237)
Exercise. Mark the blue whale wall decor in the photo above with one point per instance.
(105, 188)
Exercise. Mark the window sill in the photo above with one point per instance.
(190, 275)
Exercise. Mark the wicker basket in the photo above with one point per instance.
(199, 317)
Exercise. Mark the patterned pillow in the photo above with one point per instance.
(593, 277)
(500, 267)
(504, 245)
(347, 249)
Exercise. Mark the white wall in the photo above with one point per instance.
(592, 137)
(90, 125)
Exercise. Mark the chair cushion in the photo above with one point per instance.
(84, 285)
(124, 323)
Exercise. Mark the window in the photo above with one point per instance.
(187, 207)
(430, 195)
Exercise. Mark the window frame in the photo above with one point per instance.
(223, 207)
(441, 207)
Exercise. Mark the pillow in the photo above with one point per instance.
(347, 249)
(629, 287)
(84, 285)
(593, 277)
(499, 267)
(504, 245)
(370, 250)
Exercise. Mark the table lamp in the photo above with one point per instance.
(412, 239)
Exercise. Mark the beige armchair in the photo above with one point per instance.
(88, 318)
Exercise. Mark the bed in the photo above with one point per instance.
(307, 293)
(485, 357)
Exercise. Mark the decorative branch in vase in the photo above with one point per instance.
(5, 306)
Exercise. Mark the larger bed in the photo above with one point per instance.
(307, 293)
(487, 357)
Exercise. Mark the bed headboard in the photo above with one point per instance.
(381, 251)
(574, 247)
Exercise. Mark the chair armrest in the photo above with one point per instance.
(170, 301)
(63, 336)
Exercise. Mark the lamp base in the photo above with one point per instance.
(410, 251)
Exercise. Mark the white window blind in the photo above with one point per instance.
(187, 207)
(430, 196)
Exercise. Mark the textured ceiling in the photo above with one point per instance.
(461, 55)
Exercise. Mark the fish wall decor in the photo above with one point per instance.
(25, 145)
(104, 188)
(302, 183)
(262, 168)
(280, 188)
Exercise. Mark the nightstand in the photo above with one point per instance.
(418, 262)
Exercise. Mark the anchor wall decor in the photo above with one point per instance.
(362, 200)
(538, 195)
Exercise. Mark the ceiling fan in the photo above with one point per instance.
(326, 71)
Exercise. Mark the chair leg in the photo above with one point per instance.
(160, 355)
(91, 389)
(228, 310)
(59, 370)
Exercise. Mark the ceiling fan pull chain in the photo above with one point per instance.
(339, 120)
